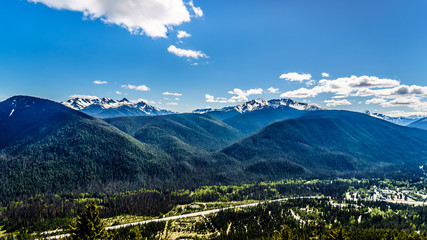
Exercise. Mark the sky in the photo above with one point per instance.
(182, 55)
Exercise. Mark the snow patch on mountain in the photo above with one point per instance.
(107, 107)
(258, 104)
(403, 121)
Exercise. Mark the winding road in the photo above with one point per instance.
(188, 215)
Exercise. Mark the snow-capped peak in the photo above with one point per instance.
(105, 103)
(99, 107)
(258, 104)
(203, 110)
(399, 120)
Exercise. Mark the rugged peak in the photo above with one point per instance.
(399, 120)
(258, 104)
(107, 107)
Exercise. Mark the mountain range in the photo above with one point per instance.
(107, 107)
(403, 121)
(48, 147)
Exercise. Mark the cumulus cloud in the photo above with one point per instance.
(183, 34)
(345, 86)
(412, 102)
(150, 17)
(397, 113)
(334, 102)
(100, 82)
(186, 53)
(375, 101)
(273, 90)
(83, 96)
(118, 92)
(196, 10)
(325, 75)
(172, 94)
(296, 77)
(310, 82)
(172, 103)
(137, 88)
(212, 99)
(241, 95)
(302, 93)
(385, 92)
(398, 91)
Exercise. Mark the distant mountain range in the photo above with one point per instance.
(107, 107)
(422, 123)
(403, 121)
(260, 104)
(260, 112)
(48, 147)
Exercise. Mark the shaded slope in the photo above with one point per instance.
(192, 130)
(422, 123)
(333, 141)
(47, 147)
(250, 122)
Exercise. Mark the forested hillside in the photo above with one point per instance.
(331, 142)
(47, 147)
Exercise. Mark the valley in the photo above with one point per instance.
(152, 169)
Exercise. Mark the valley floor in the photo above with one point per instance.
(230, 212)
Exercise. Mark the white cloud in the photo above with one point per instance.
(118, 92)
(183, 34)
(310, 83)
(100, 82)
(302, 93)
(186, 53)
(172, 103)
(144, 100)
(296, 77)
(177, 99)
(375, 101)
(172, 94)
(398, 91)
(138, 88)
(334, 103)
(344, 87)
(398, 113)
(241, 95)
(410, 102)
(83, 96)
(152, 17)
(197, 10)
(273, 90)
(212, 99)
(325, 75)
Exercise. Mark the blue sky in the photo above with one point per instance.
(375, 52)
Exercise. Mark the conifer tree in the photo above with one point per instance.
(134, 234)
(89, 226)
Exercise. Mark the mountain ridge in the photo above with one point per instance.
(421, 123)
(400, 120)
(107, 107)
(333, 141)
(258, 104)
